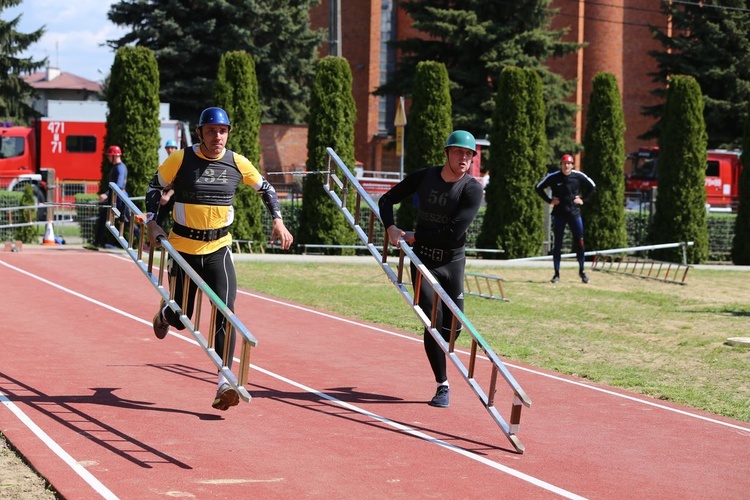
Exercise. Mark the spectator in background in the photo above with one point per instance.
(166, 202)
(118, 173)
(570, 189)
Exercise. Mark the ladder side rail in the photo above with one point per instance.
(406, 250)
(424, 272)
(217, 304)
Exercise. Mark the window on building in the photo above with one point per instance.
(80, 144)
(387, 104)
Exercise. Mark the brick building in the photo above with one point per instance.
(616, 33)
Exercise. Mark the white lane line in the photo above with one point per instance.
(497, 466)
(529, 370)
(57, 449)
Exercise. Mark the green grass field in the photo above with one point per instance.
(650, 337)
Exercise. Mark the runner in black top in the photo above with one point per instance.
(567, 197)
(448, 199)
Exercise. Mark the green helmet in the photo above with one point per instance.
(462, 139)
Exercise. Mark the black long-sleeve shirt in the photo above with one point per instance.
(566, 188)
(445, 210)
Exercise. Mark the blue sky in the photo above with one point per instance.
(75, 32)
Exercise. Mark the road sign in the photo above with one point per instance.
(400, 119)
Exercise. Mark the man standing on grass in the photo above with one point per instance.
(570, 189)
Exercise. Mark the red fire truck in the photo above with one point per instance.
(65, 149)
(723, 170)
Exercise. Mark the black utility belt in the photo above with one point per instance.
(437, 254)
(199, 234)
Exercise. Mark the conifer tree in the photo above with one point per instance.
(741, 240)
(15, 93)
(332, 117)
(709, 42)
(133, 119)
(476, 40)
(236, 91)
(681, 200)
(513, 218)
(428, 126)
(189, 38)
(28, 234)
(603, 160)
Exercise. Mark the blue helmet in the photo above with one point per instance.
(214, 116)
(171, 143)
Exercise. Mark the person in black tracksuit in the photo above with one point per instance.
(570, 189)
(448, 199)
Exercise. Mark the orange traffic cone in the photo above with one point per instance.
(49, 235)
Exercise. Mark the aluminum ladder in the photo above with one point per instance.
(338, 182)
(217, 306)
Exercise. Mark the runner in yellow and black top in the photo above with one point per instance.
(205, 178)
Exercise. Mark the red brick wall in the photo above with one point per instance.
(283, 149)
(618, 42)
(360, 44)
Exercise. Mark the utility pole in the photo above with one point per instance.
(334, 28)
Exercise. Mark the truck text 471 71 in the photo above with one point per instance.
(65, 149)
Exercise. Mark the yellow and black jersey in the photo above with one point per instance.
(204, 190)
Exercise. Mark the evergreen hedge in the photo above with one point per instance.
(236, 91)
(741, 241)
(603, 158)
(681, 204)
(518, 154)
(133, 118)
(332, 117)
(428, 126)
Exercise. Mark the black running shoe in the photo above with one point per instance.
(583, 276)
(555, 279)
(442, 397)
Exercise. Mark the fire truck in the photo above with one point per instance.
(723, 170)
(65, 149)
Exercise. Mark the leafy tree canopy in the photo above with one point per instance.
(189, 39)
(14, 91)
(476, 39)
(709, 42)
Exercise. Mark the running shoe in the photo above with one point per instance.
(226, 396)
(442, 397)
(161, 327)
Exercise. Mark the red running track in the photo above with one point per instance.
(101, 408)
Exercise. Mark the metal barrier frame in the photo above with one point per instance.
(217, 305)
(428, 319)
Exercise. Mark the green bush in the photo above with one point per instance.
(87, 211)
(331, 124)
(8, 199)
(429, 125)
(518, 148)
(603, 158)
(681, 204)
